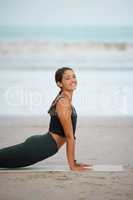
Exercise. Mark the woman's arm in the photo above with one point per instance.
(63, 109)
(74, 148)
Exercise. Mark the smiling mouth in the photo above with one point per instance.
(73, 84)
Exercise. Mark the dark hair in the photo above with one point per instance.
(58, 78)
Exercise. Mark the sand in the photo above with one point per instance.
(99, 141)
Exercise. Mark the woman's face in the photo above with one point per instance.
(69, 81)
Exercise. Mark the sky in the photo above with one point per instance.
(66, 12)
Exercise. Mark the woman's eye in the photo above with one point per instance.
(67, 78)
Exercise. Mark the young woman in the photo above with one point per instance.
(61, 129)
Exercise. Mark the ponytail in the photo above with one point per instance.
(53, 102)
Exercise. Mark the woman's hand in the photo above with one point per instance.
(82, 164)
(80, 167)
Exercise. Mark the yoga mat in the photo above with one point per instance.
(102, 168)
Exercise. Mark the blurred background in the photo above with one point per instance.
(95, 38)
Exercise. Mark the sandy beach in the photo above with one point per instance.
(100, 140)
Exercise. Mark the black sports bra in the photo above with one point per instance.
(55, 124)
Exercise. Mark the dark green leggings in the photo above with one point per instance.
(32, 150)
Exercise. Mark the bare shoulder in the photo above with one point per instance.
(63, 105)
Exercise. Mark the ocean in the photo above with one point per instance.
(100, 56)
(68, 33)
